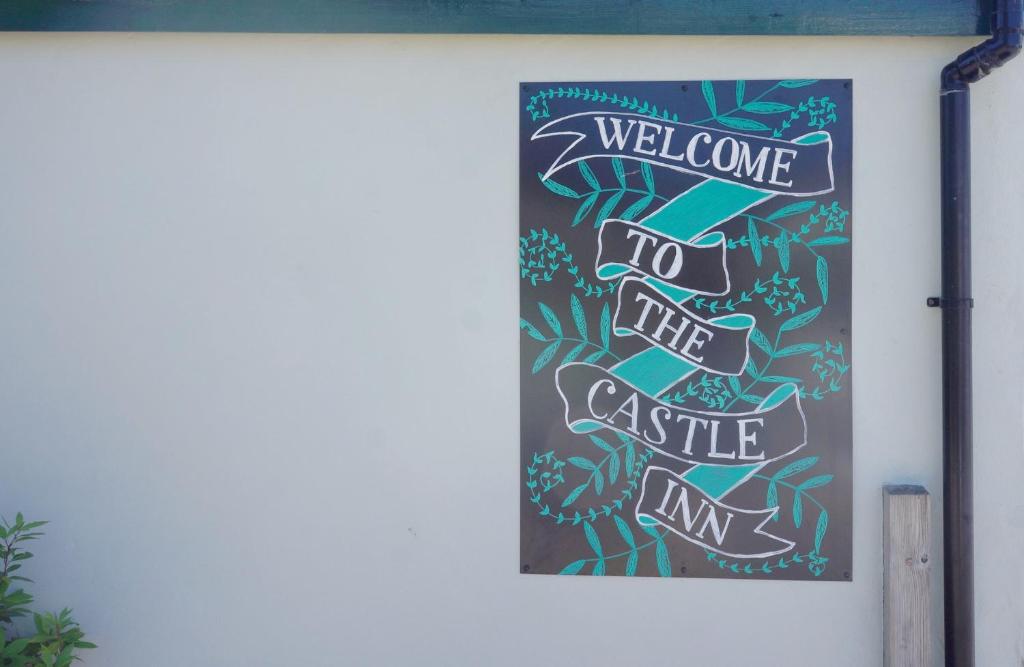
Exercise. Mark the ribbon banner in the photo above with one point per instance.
(623, 247)
(685, 311)
(802, 167)
(668, 500)
(595, 398)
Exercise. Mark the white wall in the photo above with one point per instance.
(261, 375)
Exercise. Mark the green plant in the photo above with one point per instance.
(57, 638)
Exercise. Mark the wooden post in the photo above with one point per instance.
(906, 553)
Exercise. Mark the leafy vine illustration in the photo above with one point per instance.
(632, 554)
(582, 343)
(542, 254)
(820, 112)
(816, 562)
(646, 196)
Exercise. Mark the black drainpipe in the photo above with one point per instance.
(956, 304)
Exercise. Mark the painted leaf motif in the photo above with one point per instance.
(602, 444)
(598, 566)
(631, 563)
(544, 357)
(588, 175)
(761, 340)
(571, 498)
(620, 171)
(798, 509)
(578, 316)
(819, 532)
(598, 482)
(582, 463)
(741, 89)
(638, 207)
(799, 348)
(782, 247)
(708, 89)
(645, 170)
(829, 240)
(742, 123)
(593, 540)
(800, 320)
(608, 207)
(795, 467)
(550, 318)
(557, 187)
(532, 330)
(815, 482)
(585, 208)
(613, 467)
(766, 107)
(606, 325)
(573, 353)
(792, 209)
(627, 534)
(630, 458)
(821, 271)
(661, 555)
(797, 83)
(573, 567)
(754, 240)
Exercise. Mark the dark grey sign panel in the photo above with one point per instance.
(684, 264)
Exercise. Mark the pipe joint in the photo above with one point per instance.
(1006, 42)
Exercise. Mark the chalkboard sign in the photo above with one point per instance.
(684, 265)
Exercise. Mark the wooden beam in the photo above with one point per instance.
(632, 17)
(906, 553)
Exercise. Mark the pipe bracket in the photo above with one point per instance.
(939, 302)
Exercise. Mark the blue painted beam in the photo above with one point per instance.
(623, 17)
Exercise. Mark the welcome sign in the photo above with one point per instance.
(684, 264)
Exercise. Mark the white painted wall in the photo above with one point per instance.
(240, 275)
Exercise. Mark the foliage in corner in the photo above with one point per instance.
(57, 638)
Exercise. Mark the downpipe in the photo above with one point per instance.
(956, 303)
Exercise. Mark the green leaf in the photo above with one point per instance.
(573, 353)
(766, 107)
(609, 207)
(638, 207)
(573, 567)
(819, 532)
(582, 462)
(550, 318)
(606, 325)
(821, 270)
(588, 175)
(661, 555)
(598, 481)
(627, 534)
(800, 320)
(613, 467)
(708, 89)
(599, 568)
(645, 171)
(593, 540)
(798, 509)
(741, 88)
(780, 379)
(532, 330)
(602, 444)
(754, 240)
(772, 498)
(734, 384)
(792, 209)
(761, 340)
(631, 563)
(797, 83)
(571, 498)
(557, 187)
(630, 458)
(815, 482)
(782, 248)
(585, 207)
(741, 123)
(829, 240)
(544, 357)
(620, 171)
(795, 467)
(799, 348)
(578, 316)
